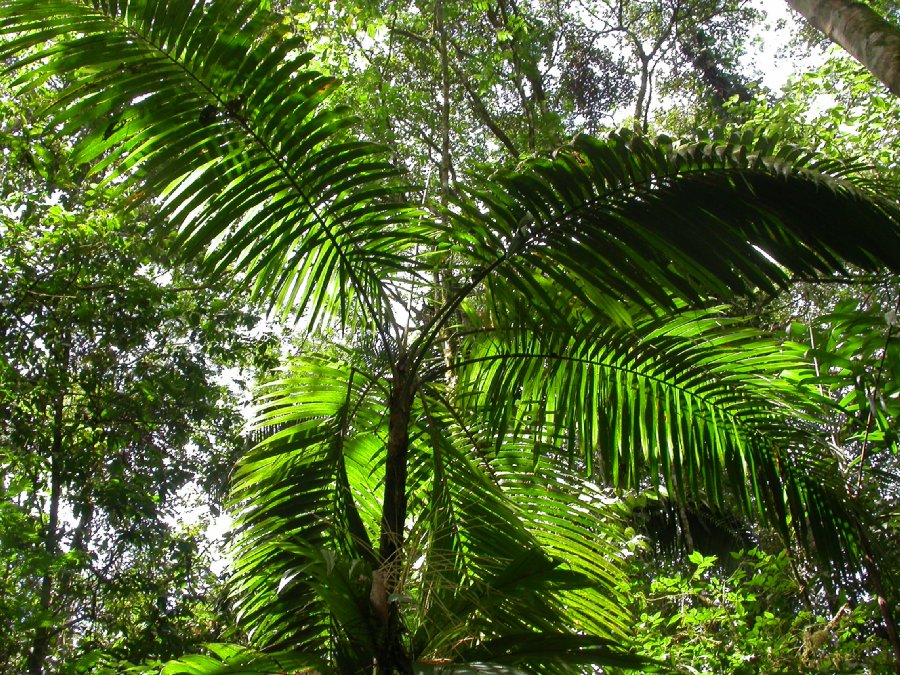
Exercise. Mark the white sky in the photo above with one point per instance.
(770, 56)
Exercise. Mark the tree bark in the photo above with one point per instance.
(876, 585)
(391, 656)
(700, 51)
(869, 38)
(444, 167)
(642, 92)
(40, 644)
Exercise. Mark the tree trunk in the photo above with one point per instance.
(868, 37)
(391, 656)
(444, 168)
(642, 92)
(876, 586)
(722, 84)
(40, 643)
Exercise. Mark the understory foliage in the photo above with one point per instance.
(435, 482)
(749, 615)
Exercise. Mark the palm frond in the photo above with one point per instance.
(628, 220)
(230, 659)
(692, 404)
(211, 107)
(505, 553)
(490, 551)
(307, 510)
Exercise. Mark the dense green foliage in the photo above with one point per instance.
(481, 371)
(112, 422)
(752, 618)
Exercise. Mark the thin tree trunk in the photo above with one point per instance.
(686, 533)
(443, 277)
(868, 37)
(642, 92)
(444, 168)
(876, 585)
(479, 107)
(391, 655)
(40, 644)
(481, 111)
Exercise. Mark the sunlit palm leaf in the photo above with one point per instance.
(504, 553)
(229, 659)
(211, 105)
(691, 403)
(490, 553)
(306, 504)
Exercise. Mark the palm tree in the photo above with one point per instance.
(422, 496)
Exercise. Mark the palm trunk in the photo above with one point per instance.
(868, 37)
(391, 656)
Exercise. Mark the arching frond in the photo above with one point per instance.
(630, 221)
(490, 552)
(211, 107)
(692, 404)
(481, 515)
(233, 659)
(306, 503)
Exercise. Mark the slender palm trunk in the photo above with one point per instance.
(391, 654)
(868, 37)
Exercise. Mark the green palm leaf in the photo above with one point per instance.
(307, 501)
(693, 404)
(578, 339)
(212, 107)
(479, 519)
(228, 659)
(306, 505)
(629, 221)
(569, 519)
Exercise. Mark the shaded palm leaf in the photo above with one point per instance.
(480, 519)
(568, 519)
(631, 221)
